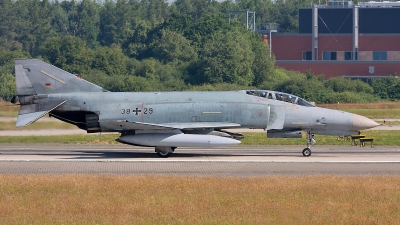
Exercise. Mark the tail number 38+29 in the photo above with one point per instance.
(137, 111)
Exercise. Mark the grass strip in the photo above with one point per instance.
(382, 137)
(377, 113)
(371, 110)
(85, 199)
(63, 139)
(38, 125)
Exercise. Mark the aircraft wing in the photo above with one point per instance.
(125, 125)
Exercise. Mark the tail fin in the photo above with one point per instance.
(34, 77)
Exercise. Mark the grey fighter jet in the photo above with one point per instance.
(166, 120)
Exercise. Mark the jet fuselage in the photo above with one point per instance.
(192, 107)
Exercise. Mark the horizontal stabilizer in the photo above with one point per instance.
(124, 125)
(32, 112)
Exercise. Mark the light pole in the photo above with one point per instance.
(270, 40)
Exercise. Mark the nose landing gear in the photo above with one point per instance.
(310, 142)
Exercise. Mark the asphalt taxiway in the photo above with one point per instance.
(236, 161)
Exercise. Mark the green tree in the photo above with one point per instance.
(99, 77)
(108, 24)
(386, 88)
(205, 28)
(8, 19)
(179, 22)
(69, 53)
(135, 38)
(147, 69)
(7, 86)
(110, 60)
(306, 86)
(7, 80)
(7, 60)
(7, 57)
(83, 20)
(29, 24)
(341, 84)
(88, 22)
(394, 92)
(155, 11)
(40, 25)
(261, 7)
(263, 65)
(172, 47)
(197, 9)
(71, 10)
(130, 83)
(226, 57)
(60, 20)
(286, 14)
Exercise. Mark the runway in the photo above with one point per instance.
(224, 162)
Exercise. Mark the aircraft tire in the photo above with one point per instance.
(306, 152)
(163, 154)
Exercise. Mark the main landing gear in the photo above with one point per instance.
(164, 152)
(310, 142)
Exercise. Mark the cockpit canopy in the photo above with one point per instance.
(280, 96)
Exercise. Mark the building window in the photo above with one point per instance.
(349, 56)
(307, 55)
(329, 56)
(380, 55)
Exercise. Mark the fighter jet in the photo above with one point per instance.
(167, 120)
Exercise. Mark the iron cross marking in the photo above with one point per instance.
(136, 111)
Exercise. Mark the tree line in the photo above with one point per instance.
(151, 45)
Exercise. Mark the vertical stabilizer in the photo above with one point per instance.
(37, 77)
(35, 81)
(24, 85)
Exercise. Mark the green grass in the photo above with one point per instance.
(8, 109)
(63, 139)
(38, 125)
(382, 137)
(386, 110)
(8, 112)
(377, 113)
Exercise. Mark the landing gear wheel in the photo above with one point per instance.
(306, 152)
(310, 142)
(163, 154)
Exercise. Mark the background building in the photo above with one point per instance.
(342, 39)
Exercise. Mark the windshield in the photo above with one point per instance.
(280, 96)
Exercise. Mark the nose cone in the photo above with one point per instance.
(363, 123)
